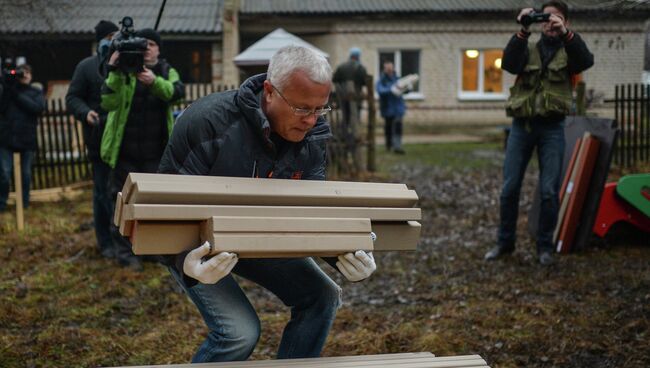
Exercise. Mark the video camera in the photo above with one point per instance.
(10, 73)
(130, 47)
(534, 17)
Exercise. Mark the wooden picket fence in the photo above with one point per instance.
(61, 159)
(633, 116)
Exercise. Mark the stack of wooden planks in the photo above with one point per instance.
(403, 360)
(256, 218)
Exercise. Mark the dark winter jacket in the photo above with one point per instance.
(20, 107)
(227, 134)
(391, 106)
(351, 70)
(84, 94)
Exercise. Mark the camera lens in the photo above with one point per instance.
(127, 22)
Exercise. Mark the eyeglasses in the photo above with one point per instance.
(303, 112)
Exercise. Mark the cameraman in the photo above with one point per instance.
(20, 106)
(83, 100)
(538, 102)
(139, 123)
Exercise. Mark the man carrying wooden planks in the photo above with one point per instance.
(273, 126)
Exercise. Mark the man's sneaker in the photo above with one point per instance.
(399, 151)
(498, 251)
(546, 259)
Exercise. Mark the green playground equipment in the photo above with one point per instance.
(635, 189)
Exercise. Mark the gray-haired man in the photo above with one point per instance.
(271, 127)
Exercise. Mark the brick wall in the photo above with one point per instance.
(616, 44)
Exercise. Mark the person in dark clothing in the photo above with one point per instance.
(539, 102)
(83, 101)
(351, 70)
(139, 123)
(391, 106)
(349, 82)
(20, 106)
(272, 127)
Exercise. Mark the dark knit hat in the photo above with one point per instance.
(104, 28)
(149, 34)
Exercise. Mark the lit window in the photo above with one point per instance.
(481, 76)
(406, 62)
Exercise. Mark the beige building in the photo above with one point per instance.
(455, 47)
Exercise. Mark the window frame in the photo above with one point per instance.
(479, 95)
(397, 57)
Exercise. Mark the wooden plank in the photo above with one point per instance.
(18, 183)
(574, 210)
(202, 212)
(280, 245)
(132, 212)
(409, 360)
(240, 224)
(410, 363)
(190, 180)
(569, 188)
(278, 194)
(396, 236)
(155, 237)
(172, 237)
(254, 363)
(261, 237)
(569, 169)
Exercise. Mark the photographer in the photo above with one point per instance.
(83, 101)
(539, 102)
(140, 120)
(20, 106)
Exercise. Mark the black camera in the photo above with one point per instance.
(534, 17)
(130, 47)
(10, 74)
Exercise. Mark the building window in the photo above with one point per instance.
(406, 62)
(481, 76)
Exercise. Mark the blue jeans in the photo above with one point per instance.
(234, 326)
(102, 204)
(6, 171)
(524, 136)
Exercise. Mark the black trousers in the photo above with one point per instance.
(118, 177)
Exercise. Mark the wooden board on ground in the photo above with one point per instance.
(408, 360)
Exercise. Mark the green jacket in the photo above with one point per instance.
(541, 93)
(117, 94)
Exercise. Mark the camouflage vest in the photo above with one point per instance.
(540, 92)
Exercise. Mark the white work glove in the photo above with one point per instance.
(356, 266)
(211, 270)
